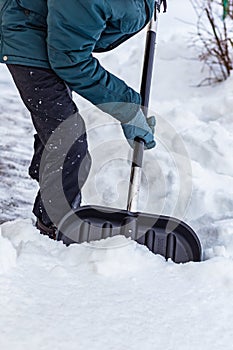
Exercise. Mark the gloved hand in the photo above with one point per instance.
(140, 127)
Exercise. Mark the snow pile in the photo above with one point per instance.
(8, 255)
(117, 256)
(217, 238)
(91, 297)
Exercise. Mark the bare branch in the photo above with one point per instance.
(214, 38)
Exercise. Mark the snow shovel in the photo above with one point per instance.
(163, 235)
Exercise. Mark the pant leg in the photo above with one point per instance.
(33, 171)
(50, 103)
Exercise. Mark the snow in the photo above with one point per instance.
(83, 297)
(115, 294)
(7, 255)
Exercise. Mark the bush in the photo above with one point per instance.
(215, 37)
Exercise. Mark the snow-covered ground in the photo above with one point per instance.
(122, 296)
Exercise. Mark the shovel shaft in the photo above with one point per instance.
(136, 168)
(148, 65)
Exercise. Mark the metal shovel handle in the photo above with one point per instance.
(136, 168)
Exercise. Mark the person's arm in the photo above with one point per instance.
(74, 26)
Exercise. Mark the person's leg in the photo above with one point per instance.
(50, 103)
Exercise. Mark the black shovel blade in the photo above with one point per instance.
(163, 235)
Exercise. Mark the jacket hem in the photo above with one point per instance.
(25, 62)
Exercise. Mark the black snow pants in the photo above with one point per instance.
(50, 103)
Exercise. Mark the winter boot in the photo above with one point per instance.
(45, 230)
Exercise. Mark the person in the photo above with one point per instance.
(48, 48)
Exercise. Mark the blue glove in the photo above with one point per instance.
(140, 127)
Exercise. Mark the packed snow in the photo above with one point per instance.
(115, 294)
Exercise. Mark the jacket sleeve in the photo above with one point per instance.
(74, 26)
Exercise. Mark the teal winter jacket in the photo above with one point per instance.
(63, 34)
